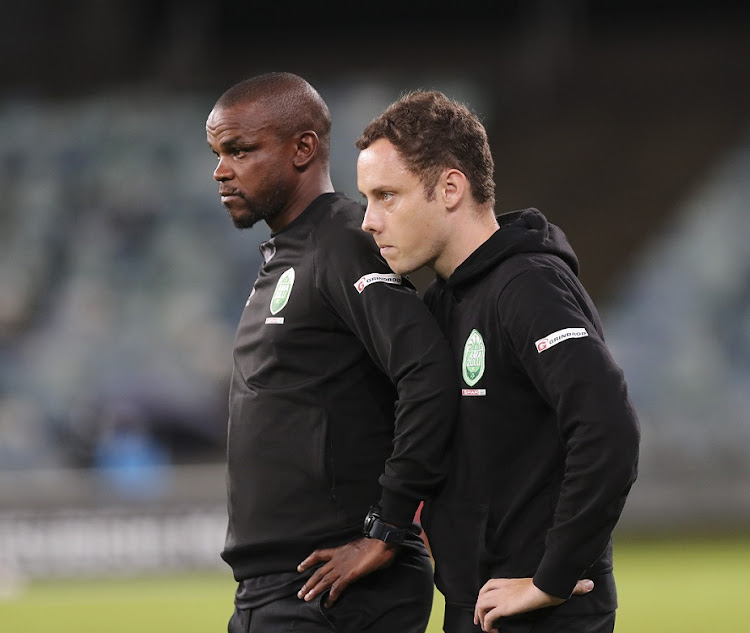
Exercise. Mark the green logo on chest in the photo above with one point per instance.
(473, 361)
(282, 292)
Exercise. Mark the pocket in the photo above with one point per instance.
(456, 532)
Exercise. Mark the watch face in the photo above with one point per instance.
(369, 521)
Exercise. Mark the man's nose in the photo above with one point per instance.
(369, 223)
(222, 172)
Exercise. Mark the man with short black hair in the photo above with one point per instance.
(339, 418)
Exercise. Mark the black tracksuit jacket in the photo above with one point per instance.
(547, 441)
(337, 399)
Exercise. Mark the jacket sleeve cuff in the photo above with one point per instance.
(556, 579)
(396, 509)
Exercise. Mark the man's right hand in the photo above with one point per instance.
(343, 565)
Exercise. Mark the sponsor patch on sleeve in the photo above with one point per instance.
(373, 278)
(558, 337)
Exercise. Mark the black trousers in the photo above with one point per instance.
(397, 599)
(540, 621)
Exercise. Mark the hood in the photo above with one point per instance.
(524, 231)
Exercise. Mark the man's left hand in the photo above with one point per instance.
(501, 597)
(342, 566)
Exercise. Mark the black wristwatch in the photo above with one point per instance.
(375, 528)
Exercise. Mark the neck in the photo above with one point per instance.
(466, 235)
(307, 191)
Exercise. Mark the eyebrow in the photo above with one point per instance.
(230, 142)
(380, 190)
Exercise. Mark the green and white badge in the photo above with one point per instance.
(472, 366)
(282, 292)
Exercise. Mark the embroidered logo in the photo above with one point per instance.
(558, 337)
(282, 292)
(473, 361)
(371, 278)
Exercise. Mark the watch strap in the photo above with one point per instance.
(386, 533)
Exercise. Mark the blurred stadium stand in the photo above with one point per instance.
(121, 279)
(680, 327)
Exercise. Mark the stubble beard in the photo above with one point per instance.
(255, 211)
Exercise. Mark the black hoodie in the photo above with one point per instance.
(548, 440)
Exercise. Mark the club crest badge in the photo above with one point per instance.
(282, 292)
(473, 361)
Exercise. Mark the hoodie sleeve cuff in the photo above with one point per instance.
(556, 579)
(396, 509)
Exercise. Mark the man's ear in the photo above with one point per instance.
(453, 186)
(307, 148)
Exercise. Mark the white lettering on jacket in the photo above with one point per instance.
(372, 278)
(558, 337)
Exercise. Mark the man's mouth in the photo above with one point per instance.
(228, 194)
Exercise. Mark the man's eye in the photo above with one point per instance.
(386, 196)
(239, 153)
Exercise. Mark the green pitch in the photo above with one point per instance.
(680, 586)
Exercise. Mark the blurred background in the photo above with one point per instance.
(122, 278)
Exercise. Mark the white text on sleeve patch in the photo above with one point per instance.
(372, 278)
(558, 337)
